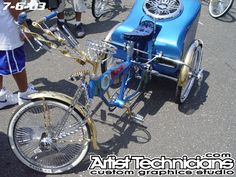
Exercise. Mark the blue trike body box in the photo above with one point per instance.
(174, 37)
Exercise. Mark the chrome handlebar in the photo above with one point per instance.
(22, 19)
(60, 35)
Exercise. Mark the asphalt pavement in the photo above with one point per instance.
(206, 123)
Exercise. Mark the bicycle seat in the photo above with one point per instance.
(142, 33)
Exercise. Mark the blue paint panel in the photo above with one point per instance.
(171, 40)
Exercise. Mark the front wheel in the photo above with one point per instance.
(217, 8)
(98, 8)
(34, 138)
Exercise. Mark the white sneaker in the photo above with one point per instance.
(7, 98)
(24, 96)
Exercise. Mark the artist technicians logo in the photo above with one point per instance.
(208, 164)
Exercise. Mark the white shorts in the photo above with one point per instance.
(78, 6)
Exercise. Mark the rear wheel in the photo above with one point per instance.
(187, 75)
(217, 8)
(33, 136)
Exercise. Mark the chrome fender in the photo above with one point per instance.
(185, 70)
(67, 99)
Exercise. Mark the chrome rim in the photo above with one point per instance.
(219, 7)
(196, 67)
(163, 9)
(100, 6)
(43, 152)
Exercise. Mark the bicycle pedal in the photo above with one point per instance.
(111, 109)
(137, 118)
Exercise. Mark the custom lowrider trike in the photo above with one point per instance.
(52, 132)
(164, 28)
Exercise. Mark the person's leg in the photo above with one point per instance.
(61, 9)
(1, 82)
(79, 7)
(24, 89)
(6, 97)
(80, 32)
(60, 20)
(3, 64)
(61, 16)
(21, 80)
(78, 16)
(19, 74)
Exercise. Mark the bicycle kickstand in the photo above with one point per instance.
(136, 118)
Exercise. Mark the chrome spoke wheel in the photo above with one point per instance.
(98, 7)
(218, 8)
(34, 141)
(187, 74)
(163, 9)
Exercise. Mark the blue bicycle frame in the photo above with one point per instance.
(96, 85)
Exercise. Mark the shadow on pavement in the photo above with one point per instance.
(157, 92)
(160, 90)
(32, 55)
(197, 97)
(94, 27)
(125, 132)
(62, 86)
(229, 17)
(100, 27)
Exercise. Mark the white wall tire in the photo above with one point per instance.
(98, 8)
(24, 133)
(185, 79)
(218, 8)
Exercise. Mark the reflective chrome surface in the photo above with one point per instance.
(163, 9)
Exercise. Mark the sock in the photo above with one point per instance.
(77, 23)
(2, 90)
(61, 20)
